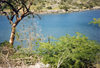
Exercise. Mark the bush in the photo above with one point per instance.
(6, 48)
(64, 7)
(76, 52)
(25, 55)
(39, 7)
(95, 21)
(49, 7)
(5, 43)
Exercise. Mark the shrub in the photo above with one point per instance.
(5, 43)
(49, 7)
(69, 51)
(5, 48)
(39, 7)
(25, 55)
(64, 7)
(95, 21)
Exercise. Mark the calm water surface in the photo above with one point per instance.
(60, 24)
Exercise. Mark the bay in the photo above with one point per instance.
(58, 25)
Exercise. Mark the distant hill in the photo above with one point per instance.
(66, 5)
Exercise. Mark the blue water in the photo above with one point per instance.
(60, 24)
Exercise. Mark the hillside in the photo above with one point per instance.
(61, 6)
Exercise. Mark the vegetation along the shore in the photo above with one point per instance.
(62, 6)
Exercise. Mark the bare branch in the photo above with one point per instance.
(19, 8)
(28, 13)
(38, 16)
(10, 21)
(29, 5)
(12, 17)
(27, 9)
(17, 16)
(22, 16)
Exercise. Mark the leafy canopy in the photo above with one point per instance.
(15, 5)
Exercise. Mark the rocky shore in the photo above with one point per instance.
(68, 11)
(51, 11)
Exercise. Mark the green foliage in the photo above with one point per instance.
(22, 53)
(69, 51)
(13, 5)
(25, 55)
(49, 7)
(95, 21)
(39, 7)
(19, 47)
(64, 7)
(5, 43)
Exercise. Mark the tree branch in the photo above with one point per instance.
(28, 13)
(22, 16)
(19, 8)
(29, 5)
(27, 9)
(12, 17)
(10, 6)
(10, 20)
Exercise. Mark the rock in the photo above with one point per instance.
(41, 65)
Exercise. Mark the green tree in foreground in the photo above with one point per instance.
(69, 51)
(18, 9)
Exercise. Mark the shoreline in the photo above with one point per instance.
(69, 11)
(62, 11)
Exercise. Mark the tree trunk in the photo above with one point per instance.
(12, 36)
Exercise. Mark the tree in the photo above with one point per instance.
(18, 9)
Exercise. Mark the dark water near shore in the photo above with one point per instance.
(60, 24)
